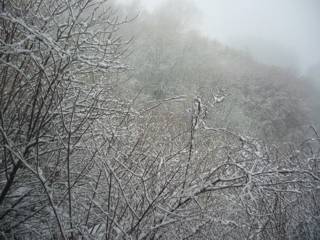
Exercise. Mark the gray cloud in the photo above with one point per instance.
(293, 25)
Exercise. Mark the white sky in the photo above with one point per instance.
(293, 25)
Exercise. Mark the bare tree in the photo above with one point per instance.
(56, 61)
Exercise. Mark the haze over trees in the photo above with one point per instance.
(118, 126)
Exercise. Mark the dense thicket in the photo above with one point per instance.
(83, 158)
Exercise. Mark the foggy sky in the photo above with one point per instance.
(279, 32)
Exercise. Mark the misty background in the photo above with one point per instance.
(244, 46)
(284, 33)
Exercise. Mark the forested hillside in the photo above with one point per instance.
(171, 59)
(118, 125)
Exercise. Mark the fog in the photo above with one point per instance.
(159, 119)
(285, 33)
